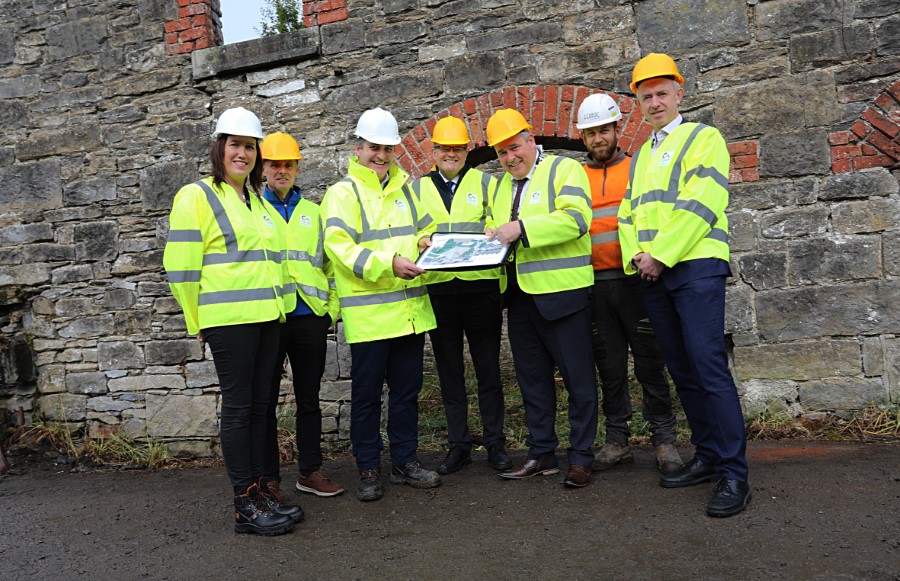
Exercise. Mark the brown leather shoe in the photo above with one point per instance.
(545, 466)
(578, 476)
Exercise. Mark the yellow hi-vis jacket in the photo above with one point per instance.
(674, 207)
(310, 270)
(470, 212)
(225, 263)
(365, 228)
(555, 253)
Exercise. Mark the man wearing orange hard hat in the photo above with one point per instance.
(674, 235)
(465, 303)
(304, 335)
(542, 207)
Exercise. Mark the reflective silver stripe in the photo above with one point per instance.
(221, 217)
(185, 236)
(424, 221)
(634, 159)
(331, 283)
(385, 233)
(359, 266)
(701, 171)
(628, 221)
(675, 177)
(413, 209)
(236, 296)
(364, 222)
(551, 187)
(179, 276)
(472, 227)
(605, 212)
(312, 291)
(289, 289)
(604, 237)
(646, 235)
(304, 256)
(497, 191)
(698, 209)
(579, 219)
(669, 197)
(577, 192)
(417, 187)
(718, 234)
(553, 264)
(241, 256)
(382, 298)
(338, 223)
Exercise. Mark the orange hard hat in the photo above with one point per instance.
(450, 131)
(504, 124)
(654, 65)
(279, 146)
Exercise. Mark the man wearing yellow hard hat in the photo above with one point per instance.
(304, 334)
(674, 235)
(466, 304)
(542, 206)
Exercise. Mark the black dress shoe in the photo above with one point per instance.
(455, 460)
(544, 465)
(694, 472)
(498, 457)
(729, 498)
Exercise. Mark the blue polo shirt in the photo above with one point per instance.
(286, 208)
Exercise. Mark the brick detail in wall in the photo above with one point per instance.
(873, 140)
(199, 25)
(552, 110)
(323, 12)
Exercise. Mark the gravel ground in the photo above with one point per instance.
(819, 511)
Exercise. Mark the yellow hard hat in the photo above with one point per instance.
(504, 124)
(450, 131)
(654, 65)
(279, 146)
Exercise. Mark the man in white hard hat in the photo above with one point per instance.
(542, 206)
(674, 234)
(619, 318)
(304, 334)
(466, 304)
(373, 230)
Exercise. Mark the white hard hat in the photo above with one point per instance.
(378, 126)
(238, 121)
(597, 109)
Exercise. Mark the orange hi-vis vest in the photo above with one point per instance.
(608, 184)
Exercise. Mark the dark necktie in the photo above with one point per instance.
(451, 186)
(514, 212)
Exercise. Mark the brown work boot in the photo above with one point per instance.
(610, 455)
(668, 459)
(319, 484)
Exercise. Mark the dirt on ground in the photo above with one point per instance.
(819, 511)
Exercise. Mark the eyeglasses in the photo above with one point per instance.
(452, 148)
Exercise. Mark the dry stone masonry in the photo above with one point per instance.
(106, 108)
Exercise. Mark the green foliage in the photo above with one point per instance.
(280, 16)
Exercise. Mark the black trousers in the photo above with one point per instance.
(399, 362)
(244, 356)
(478, 317)
(304, 341)
(619, 321)
(538, 345)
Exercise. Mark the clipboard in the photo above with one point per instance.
(459, 251)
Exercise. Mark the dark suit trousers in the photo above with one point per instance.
(689, 322)
(538, 345)
(479, 317)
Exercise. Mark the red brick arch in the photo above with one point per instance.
(552, 110)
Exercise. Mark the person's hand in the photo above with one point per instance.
(424, 242)
(506, 234)
(406, 269)
(648, 268)
(489, 232)
(200, 337)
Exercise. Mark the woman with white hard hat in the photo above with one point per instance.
(223, 259)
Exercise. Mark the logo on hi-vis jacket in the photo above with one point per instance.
(268, 221)
(535, 197)
(305, 221)
(472, 199)
(400, 205)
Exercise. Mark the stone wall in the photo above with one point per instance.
(105, 115)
